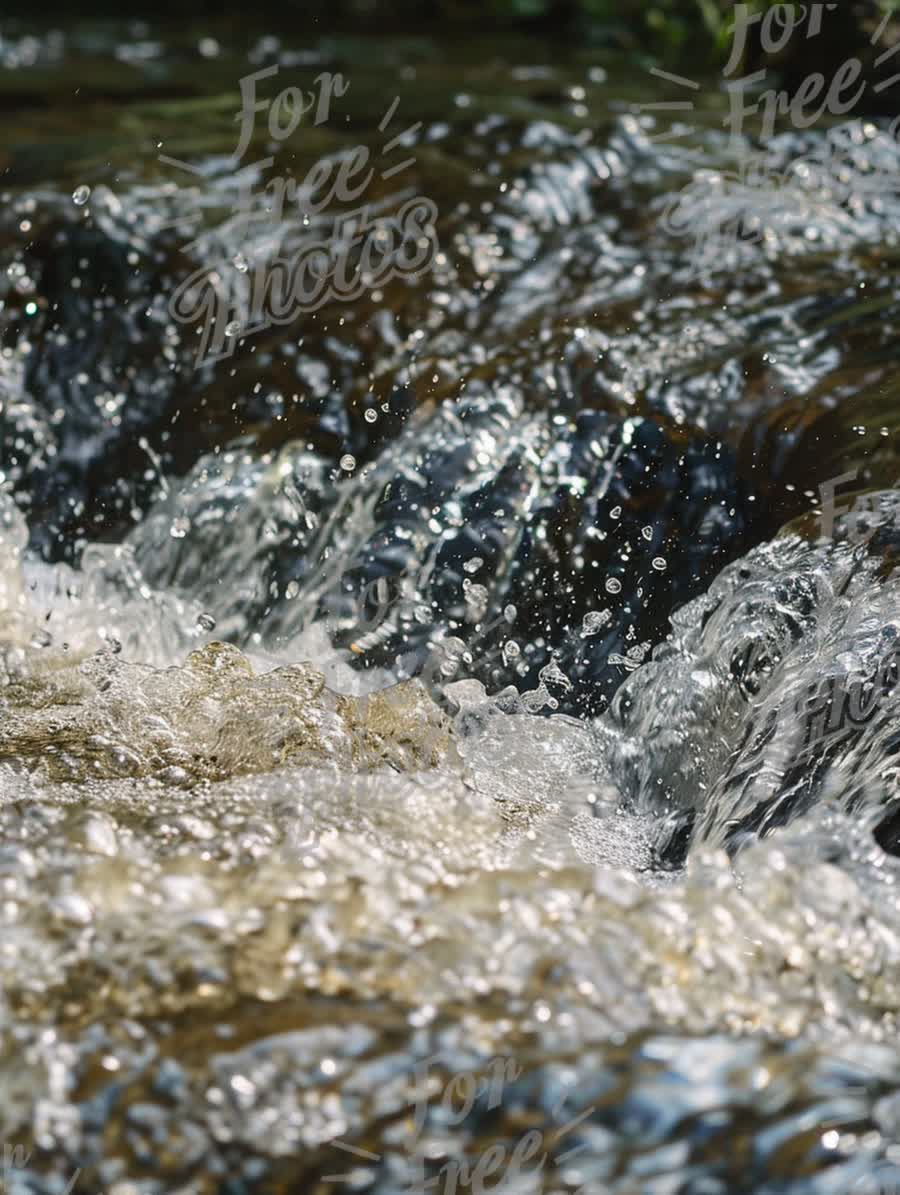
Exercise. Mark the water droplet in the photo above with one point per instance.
(647, 533)
(292, 590)
(473, 565)
(348, 463)
(240, 263)
(594, 622)
(370, 415)
(511, 651)
(232, 328)
(81, 195)
(659, 564)
(206, 622)
(613, 585)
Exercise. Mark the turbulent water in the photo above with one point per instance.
(430, 753)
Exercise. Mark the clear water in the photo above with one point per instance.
(276, 868)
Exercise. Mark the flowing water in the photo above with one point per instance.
(438, 748)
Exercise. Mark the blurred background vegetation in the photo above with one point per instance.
(692, 34)
(695, 29)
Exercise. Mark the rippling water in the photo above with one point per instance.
(437, 735)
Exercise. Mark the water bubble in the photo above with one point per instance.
(348, 463)
(232, 328)
(476, 597)
(511, 651)
(613, 585)
(594, 622)
(370, 415)
(81, 195)
(206, 622)
(552, 673)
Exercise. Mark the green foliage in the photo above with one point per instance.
(522, 9)
(667, 29)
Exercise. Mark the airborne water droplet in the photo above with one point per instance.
(594, 622)
(206, 622)
(232, 328)
(370, 415)
(613, 585)
(81, 195)
(659, 564)
(348, 463)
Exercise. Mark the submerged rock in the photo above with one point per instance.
(490, 542)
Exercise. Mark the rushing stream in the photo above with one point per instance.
(446, 742)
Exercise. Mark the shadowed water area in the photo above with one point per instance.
(448, 692)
